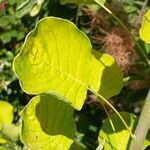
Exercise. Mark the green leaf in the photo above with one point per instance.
(35, 10)
(11, 131)
(5, 37)
(147, 48)
(4, 21)
(119, 139)
(48, 123)
(77, 146)
(2, 141)
(55, 56)
(105, 76)
(6, 112)
(145, 28)
(81, 1)
(101, 145)
(77, 1)
(25, 7)
(2, 148)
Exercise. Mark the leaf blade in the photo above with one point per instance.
(6, 112)
(120, 138)
(48, 123)
(61, 64)
(105, 76)
(145, 28)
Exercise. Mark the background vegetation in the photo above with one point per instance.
(18, 17)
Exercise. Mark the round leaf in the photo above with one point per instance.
(6, 112)
(48, 123)
(55, 56)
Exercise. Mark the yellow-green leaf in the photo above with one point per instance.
(145, 28)
(11, 131)
(2, 148)
(2, 141)
(55, 56)
(120, 138)
(48, 123)
(105, 76)
(6, 112)
(35, 10)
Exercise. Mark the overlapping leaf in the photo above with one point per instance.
(145, 29)
(55, 56)
(120, 138)
(48, 123)
(105, 76)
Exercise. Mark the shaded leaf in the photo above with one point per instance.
(105, 76)
(48, 123)
(77, 146)
(4, 21)
(147, 48)
(120, 139)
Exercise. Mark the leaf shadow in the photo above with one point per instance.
(55, 116)
(110, 83)
(117, 123)
(119, 127)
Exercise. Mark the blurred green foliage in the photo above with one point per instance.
(18, 18)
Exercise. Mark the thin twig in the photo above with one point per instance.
(112, 107)
(111, 123)
(127, 30)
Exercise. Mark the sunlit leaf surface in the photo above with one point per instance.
(48, 123)
(55, 56)
(6, 112)
(120, 138)
(145, 28)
